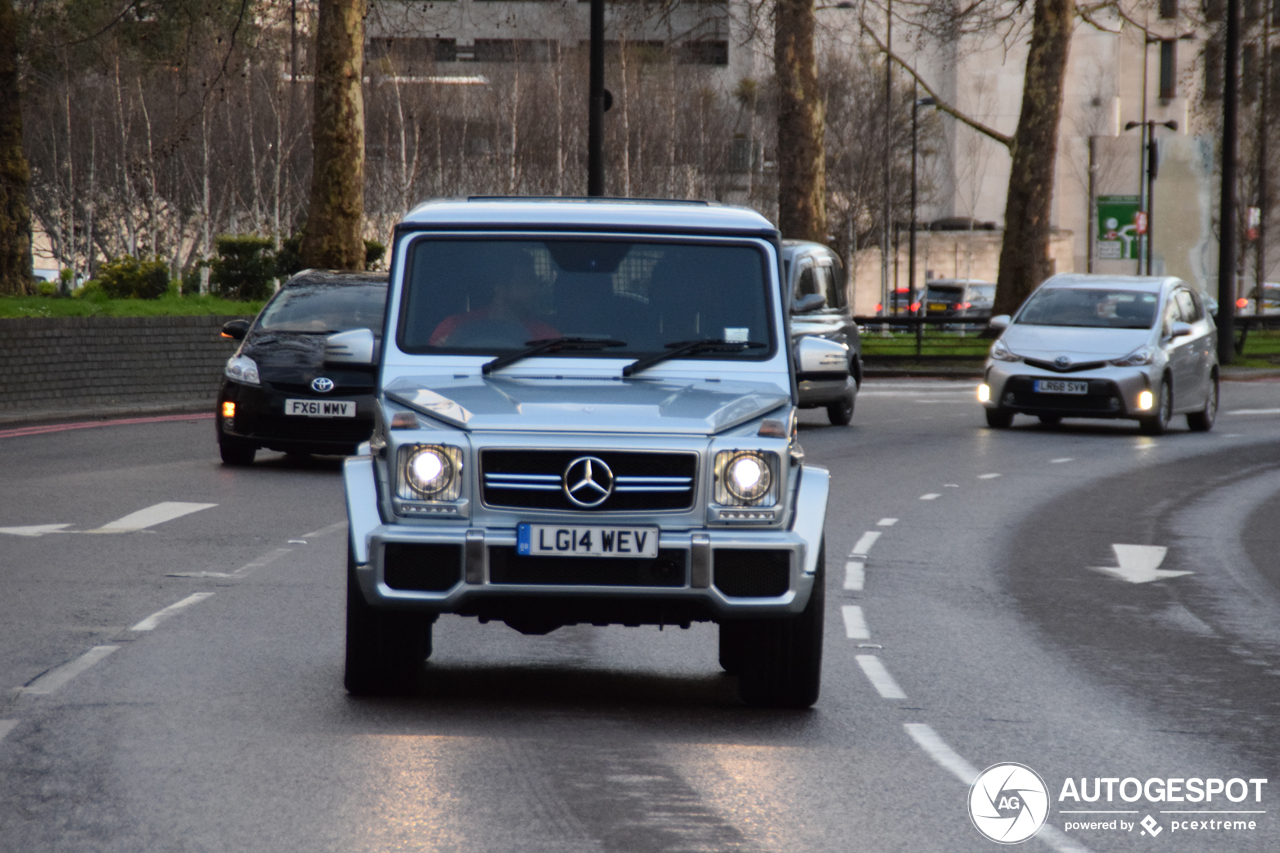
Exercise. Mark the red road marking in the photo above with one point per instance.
(39, 430)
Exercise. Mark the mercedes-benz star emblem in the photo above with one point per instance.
(322, 384)
(1062, 361)
(588, 481)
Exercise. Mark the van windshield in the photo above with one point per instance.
(493, 296)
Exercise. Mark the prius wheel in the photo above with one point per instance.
(1202, 421)
(780, 660)
(840, 414)
(1158, 423)
(999, 418)
(236, 451)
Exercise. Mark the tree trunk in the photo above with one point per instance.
(15, 175)
(334, 237)
(1024, 254)
(802, 207)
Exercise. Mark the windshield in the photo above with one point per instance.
(943, 292)
(492, 296)
(982, 292)
(321, 308)
(1070, 306)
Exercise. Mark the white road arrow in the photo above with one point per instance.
(34, 529)
(1139, 564)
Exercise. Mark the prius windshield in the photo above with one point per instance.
(1107, 309)
(326, 308)
(617, 298)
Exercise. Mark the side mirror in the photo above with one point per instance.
(820, 355)
(354, 347)
(808, 302)
(1000, 322)
(1180, 330)
(236, 329)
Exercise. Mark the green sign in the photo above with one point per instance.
(1117, 227)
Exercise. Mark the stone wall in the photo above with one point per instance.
(104, 362)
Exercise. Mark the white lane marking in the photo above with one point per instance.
(243, 571)
(886, 522)
(55, 678)
(325, 531)
(34, 529)
(879, 677)
(297, 542)
(948, 759)
(1063, 459)
(6, 726)
(930, 497)
(1139, 564)
(863, 546)
(1253, 412)
(855, 627)
(987, 476)
(151, 516)
(854, 575)
(160, 615)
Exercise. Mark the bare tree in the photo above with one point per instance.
(15, 215)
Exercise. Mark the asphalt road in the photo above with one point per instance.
(171, 652)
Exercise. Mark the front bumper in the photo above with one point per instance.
(472, 570)
(260, 419)
(1113, 391)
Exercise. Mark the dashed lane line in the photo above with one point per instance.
(951, 761)
(886, 522)
(987, 476)
(55, 678)
(932, 496)
(862, 547)
(151, 516)
(855, 626)
(1060, 461)
(325, 531)
(1253, 412)
(854, 575)
(159, 616)
(240, 573)
(7, 726)
(879, 677)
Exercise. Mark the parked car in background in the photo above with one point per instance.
(959, 297)
(820, 309)
(1270, 293)
(1095, 346)
(277, 390)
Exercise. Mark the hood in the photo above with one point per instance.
(691, 407)
(285, 349)
(1077, 343)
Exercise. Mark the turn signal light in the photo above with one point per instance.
(228, 409)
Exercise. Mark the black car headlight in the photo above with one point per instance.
(746, 478)
(429, 472)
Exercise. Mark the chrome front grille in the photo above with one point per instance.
(640, 481)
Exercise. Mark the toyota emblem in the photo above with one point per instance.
(322, 384)
(588, 482)
(1062, 362)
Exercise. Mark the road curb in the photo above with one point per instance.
(106, 413)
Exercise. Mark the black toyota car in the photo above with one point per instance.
(277, 392)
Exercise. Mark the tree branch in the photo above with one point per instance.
(990, 132)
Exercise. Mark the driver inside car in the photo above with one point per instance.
(509, 318)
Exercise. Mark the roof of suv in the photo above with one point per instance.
(609, 214)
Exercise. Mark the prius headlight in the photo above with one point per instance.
(1137, 358)
(1000, 352)
(241, 368)
(429, 472)
(746, 478)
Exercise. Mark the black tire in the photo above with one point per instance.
(840, 414)
(1158, 423)
(1202, 421)
(999, 418)
(236, 451)
(1051, 420)
(386, 649)
(781, 659)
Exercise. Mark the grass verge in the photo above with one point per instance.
(166, 306)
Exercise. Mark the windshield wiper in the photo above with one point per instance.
(549, 345)
(679, 348)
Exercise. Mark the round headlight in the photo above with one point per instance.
(747, 477)
(430, 471)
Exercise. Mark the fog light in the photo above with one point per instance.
(984, 393)
(1146, 400)
(228, 409)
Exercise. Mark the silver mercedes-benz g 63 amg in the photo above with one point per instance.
(585, 413)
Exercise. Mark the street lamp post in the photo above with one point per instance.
(911, 258)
